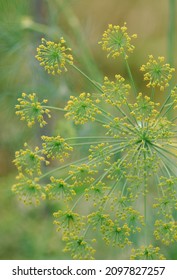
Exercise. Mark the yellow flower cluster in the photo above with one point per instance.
(30, 109)
(59, 189)
(28, 161)
(166, 232)
(147, 253)
(55, 147)
(79, 248)
(54, 56)
(116, 41)
(28, 190)
(166, 203)
(136, 150)
(101, 151)
(157, 73)
(68, 221)
(81, 109)
(116, 235)
(115, 92)
(82, 175)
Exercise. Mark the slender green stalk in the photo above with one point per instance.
(145, 215)
(152, 94)
(145, 206)
(87, 77)
(55, 108)
(131, 77)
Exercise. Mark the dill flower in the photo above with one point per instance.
(59, 189)
(31, 110)
(82, 175)
(147, 253)
(29, 161)
(117, 235)
(101, 190)
(141, 137)
(68, 221)
(116, 41)
(157, 73)
(28, 189)
(166, 203)
(55, 147)
(165, 231)
(54, 56)
(99, 220)
(96, 192)
(79, 248)
(81, 109)
(133, 218)
(115, 92)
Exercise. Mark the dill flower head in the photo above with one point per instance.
(55, 147)
(157, 73)
(28, 161)
(117, 235)
(54, 56)
(59, 189)
(147, 253)
(166, 231)
(115, 92)
(103, 188)
(68, 221)
(81, 109)
(82, 175)
(79, 248)
(28, 190)
(116, 41)
(31, 110)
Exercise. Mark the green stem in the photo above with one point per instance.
(131, 77)
(152, 94)
(145, 215)
(88, 78)
(55, 108)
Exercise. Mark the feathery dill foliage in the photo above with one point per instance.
(135, 156)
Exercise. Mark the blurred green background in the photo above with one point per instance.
(28, 232)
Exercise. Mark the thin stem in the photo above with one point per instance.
(91, 143)
(145, 214)
(145, 201)
(55, 108)
(88, 137)
(88, 78)
(152, 94)
(131, 77)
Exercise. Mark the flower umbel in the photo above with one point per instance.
(147, 253)
(79, 248)
(58, 189)
(81, 109)
(54, 56)
(28, 161)
(55, 147)
(157, 73)
(28, 190)
(116, 41)
(115, 92)
(120, 170)
(31, 110)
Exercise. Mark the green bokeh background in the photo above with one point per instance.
(28, 232)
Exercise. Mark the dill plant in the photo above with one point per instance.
(134, 156)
